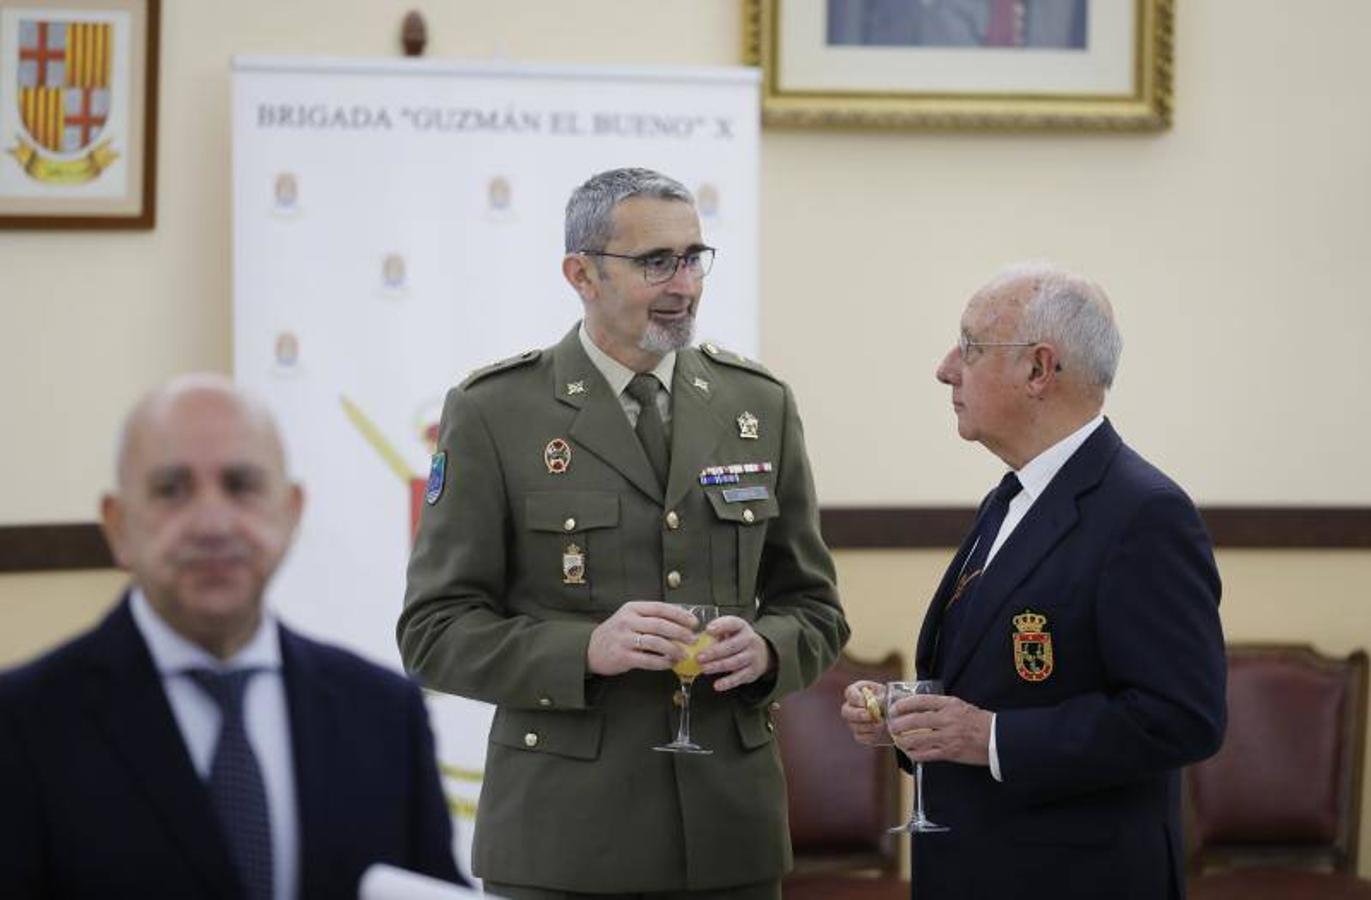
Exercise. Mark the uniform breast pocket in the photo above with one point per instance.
(735, 546)
(575, 548)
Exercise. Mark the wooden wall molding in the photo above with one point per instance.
(80, 545)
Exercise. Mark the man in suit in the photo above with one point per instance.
(190, 745)
(578, 494)
(1076, 632)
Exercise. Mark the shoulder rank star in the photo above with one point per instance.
(575, 387)
(747, 426)
(701, 384)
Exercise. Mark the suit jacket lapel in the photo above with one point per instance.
(313, 710)
(125, 695)
(1051, 517)
(695, 425)
(600, 425)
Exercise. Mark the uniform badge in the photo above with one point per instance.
(747, 426)
(575, 387)
(573, 565)
(701, 384)
(1032, 646)
(557, 456)
(437, 477)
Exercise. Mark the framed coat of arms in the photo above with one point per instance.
(78, 113)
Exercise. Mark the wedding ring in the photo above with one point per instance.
(638, 641)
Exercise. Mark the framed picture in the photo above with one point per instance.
(78, 113)
(964, 64)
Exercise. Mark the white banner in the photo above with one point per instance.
(399, 223)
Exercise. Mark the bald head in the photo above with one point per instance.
(203, 513)
(196, 389)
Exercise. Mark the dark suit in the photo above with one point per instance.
(1114, 554)
(99, 798)
(574, 797)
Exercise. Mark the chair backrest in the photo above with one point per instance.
(842, 795)
(1285, 788)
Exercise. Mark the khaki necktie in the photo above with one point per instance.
(651, 432)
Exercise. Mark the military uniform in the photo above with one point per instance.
(545, 516)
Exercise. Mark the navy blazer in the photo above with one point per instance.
(99, 798)
(1115, 556)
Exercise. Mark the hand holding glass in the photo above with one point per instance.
(894, 692)
(687, 670)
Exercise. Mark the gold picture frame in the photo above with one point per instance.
(78, 113)
(1114, 75)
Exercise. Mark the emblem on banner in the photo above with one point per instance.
(287, 351)
(557, 456)
(393, 272)
(573, 565)
(1032, 646)
(62, 86)
(285, 194)
(707, 200)
(499, 194)
(747, 426)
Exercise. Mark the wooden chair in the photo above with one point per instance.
(1276, 812)
(842, 795)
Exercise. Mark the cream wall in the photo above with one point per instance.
(1233, 246)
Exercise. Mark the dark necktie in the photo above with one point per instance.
(235, 783)
(954, 612)
(651, 432)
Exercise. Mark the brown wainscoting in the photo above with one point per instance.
(47, 548)
(51, 548)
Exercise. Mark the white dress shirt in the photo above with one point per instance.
(1034, 478)
(264, 711)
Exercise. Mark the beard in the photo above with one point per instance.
(664, 337)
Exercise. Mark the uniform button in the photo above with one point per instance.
(673, 579)
(775, 707)
(770, 726)
(748, 516)
(673, 521)
(569, 525)
(544, 701)
(531, 739)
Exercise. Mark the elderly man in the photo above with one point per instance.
(1076, 633)
(191, 745)
(580, 496)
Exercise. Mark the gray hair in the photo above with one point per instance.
(589, 212)
(1074, 314)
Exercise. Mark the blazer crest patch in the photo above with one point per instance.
(1032, 646)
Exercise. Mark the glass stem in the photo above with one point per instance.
(683, 730)
(918, 792)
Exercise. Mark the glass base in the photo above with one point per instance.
(683, 747)
(918, 825)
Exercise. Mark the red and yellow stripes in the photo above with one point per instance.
(88, 54)
(42, 111)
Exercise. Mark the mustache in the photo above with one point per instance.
(215, 551)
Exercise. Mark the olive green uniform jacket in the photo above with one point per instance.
(574, 797)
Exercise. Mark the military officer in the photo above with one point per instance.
(578, 494)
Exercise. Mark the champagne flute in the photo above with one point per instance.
(894, 692)
(687, 670)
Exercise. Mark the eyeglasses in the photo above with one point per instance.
(660, 267)
(965, 344)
